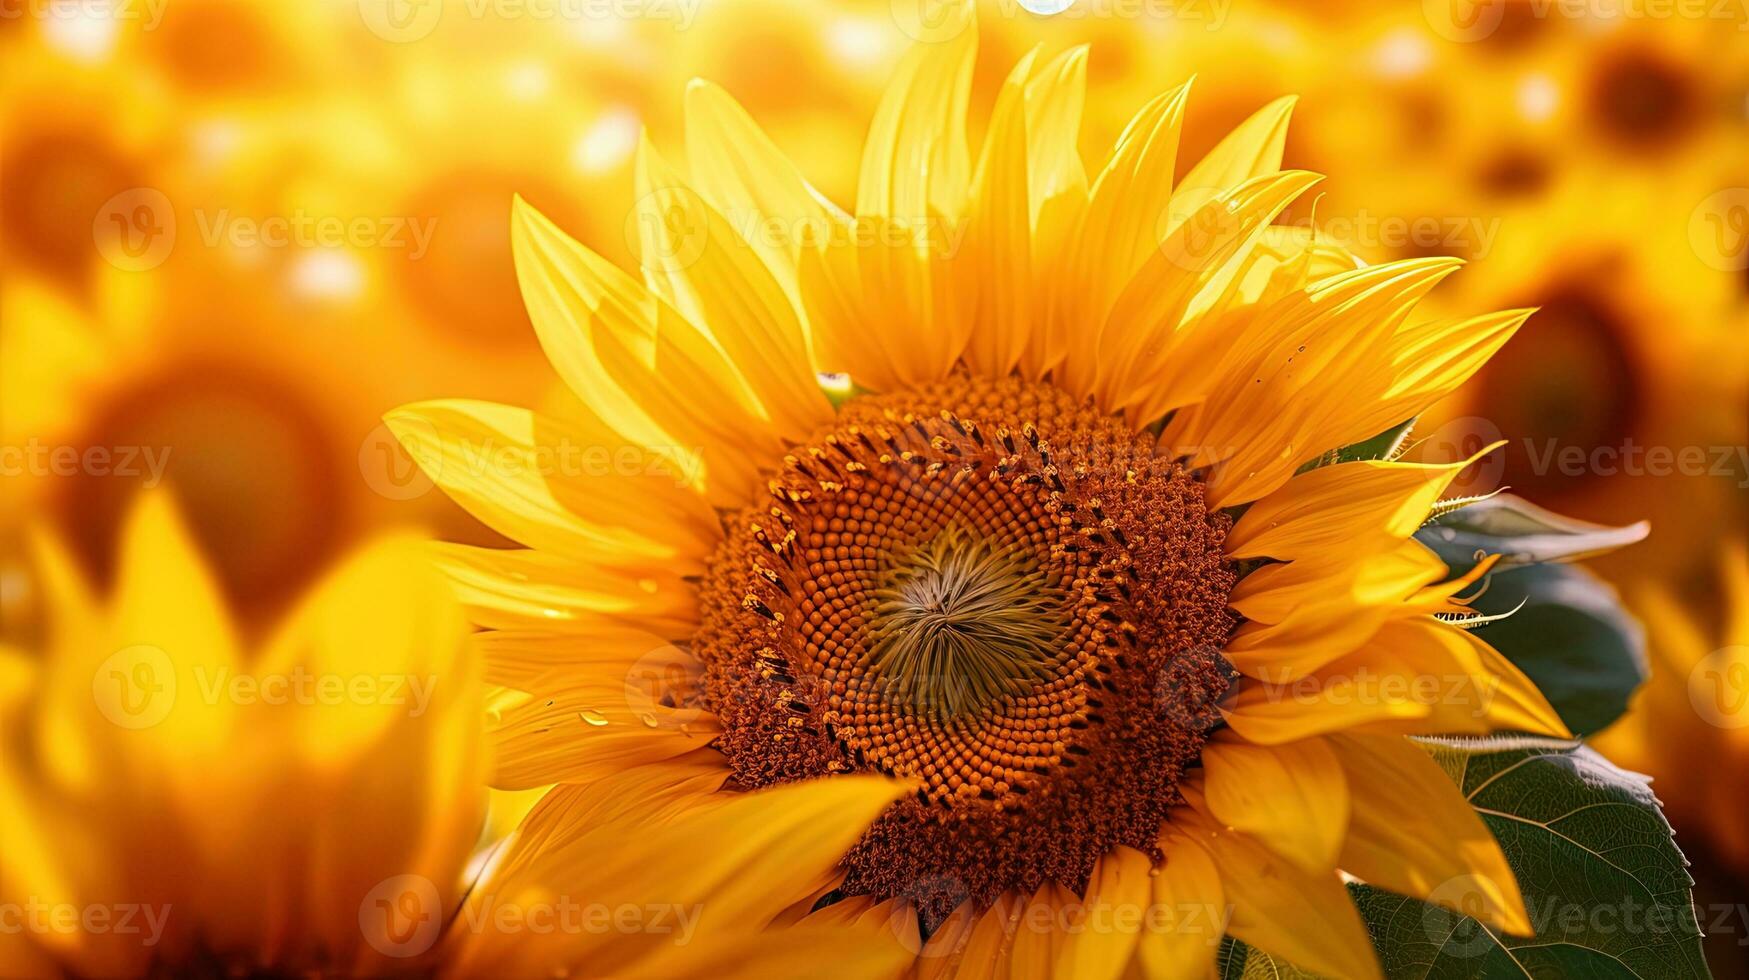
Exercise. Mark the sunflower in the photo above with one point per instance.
(195, 358)
(1014, 485)
(1695, 706)
(174, 806)
(1647, 327)
(75, 137)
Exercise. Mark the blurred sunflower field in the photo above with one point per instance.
(237, 236)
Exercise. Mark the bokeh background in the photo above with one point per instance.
(233, 233)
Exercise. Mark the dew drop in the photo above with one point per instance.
(592, 717)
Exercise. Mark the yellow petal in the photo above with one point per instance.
(531, 590)
(1430, 360)
(1299, 377)
(1414, 833)
(650, 795)
(1252, 149)
(1041, 940)
(1140, 368)
(1111, 920)
(389, 778)
(909, 220)
(915, 161)
(1119, 229)
(730, 868)
(1184, 935)
(1304, 614)
(635, 361)
(1292, 797)
(595, 725)
(1417, 676)
(701, 264)
(998, 248)
(1055, 98)
(164, 594)
(587, 495)
(859, 950)
(740, 171)
(1350, 508)
(1306, 919)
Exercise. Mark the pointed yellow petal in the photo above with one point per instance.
(650, 795)
(1306, 919)
(729, 869)
(1417, 676)
(1181, 942)
(1055, 98)
(1414, 833)
(998, 247)
(1119, 230)
(1041, 940)
(636, 363)
(1355, 508)
(585, 494)
(740, 171)
(1111, 920)
(1291, 797)
(530, 590)
(701, 264)
(916, 161)
(1139, 367)
(164, 594)
(1249, 151)
(1300, 377)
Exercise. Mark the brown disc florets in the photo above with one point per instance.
(993, 590)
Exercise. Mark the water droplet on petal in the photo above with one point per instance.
(592, 717)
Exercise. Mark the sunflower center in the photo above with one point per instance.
(1643, 101)
(991, 590)
(961, 622)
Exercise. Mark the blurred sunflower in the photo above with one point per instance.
(244, 361)
(205, 376)
(174, 806)
(895, 504)
(1695, 707)
(1630, 93)
(1639, 325)
(74, 137)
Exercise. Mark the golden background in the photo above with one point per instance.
(234, 233)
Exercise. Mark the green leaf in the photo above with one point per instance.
(1603, 882)
(1570, 635)
(1237, 961)
(1382, 446)
(1522, 533)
